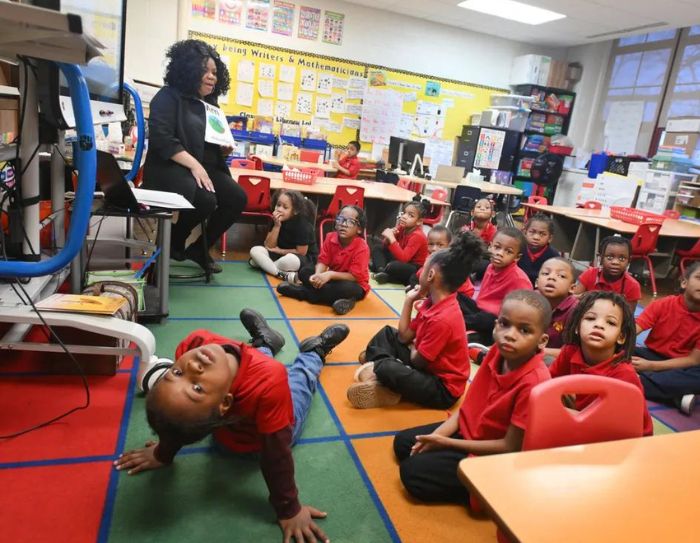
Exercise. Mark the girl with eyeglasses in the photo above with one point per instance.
(612, 275)
(341, 276)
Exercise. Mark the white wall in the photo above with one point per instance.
(372, 36)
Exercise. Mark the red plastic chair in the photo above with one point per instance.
(592, 204)
(538, 200)
(345, 195)
(409, 185)
(243, 163)
(672, 214)
(306, 155)
(257, 189)
(436, 213)
(258, 162)
(643, 244)
(688, 255)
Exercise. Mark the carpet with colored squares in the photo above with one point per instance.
(58, 484)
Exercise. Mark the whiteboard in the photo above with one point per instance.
(622, 127)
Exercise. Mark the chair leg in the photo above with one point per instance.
(650, 266)
(223, 245)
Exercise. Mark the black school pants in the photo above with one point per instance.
(392, 366)
(479, 323)
(331, 291)
(383, 260)
(430, 476)
(221, 208)
(667, 386)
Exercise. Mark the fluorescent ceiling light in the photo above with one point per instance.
(515, 11)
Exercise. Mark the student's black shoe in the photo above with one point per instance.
(260, 332)
(195, 253)
(297, 292)
(381, 277)
(343, 306)
(324, 343)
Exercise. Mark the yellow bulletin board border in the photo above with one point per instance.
(465, 98)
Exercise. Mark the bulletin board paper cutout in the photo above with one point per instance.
(258, 15)
(338, 102)
(283, 109)
(288, 73)
(356, 94)
(351, 123)
(231, 12)
(308, 80)
(265, 107)
(340, 83)
(333, 25)
(303, 103)
(245, 71)
(325, 83)
(266, 71)
(355, 109)
(357, 83)
(285, 91)
(309, 23)
(266, 88)
(244, 94)
(282, 18)
(381, 115)
(323, 107)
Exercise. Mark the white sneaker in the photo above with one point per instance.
(687, 404)
(365, 373)
(292, 278)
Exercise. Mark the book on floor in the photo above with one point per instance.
(79, 303)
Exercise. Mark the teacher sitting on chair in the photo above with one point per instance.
(179, 158)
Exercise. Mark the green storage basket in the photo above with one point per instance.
(125, 276)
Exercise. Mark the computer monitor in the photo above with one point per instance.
(402, 152)
(106, 21)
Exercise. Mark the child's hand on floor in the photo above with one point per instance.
(302, 528)
(430, 442)
(139, 459)
(317, 280)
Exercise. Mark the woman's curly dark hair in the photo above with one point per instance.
(187, 64)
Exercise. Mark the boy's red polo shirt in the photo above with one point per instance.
(571, 362)
(497, 283)
(262, 401)
(675, 330)
(494, 400)
(442, 340)
(350, 163)
(352, 259)
(560, 314)
(410, 247)
(487, 234)
(626, 285)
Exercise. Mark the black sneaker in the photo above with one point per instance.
(324, 343)
(260, 332)
(293, 291)
(381, 277)
(343, 306)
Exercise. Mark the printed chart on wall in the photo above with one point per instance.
(430, 110)
(292, 87)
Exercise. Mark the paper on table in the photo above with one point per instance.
(265, 107)
(303, 103)
(244, 94)
(246, 71)
(266, 88)
(160, 198)
(325, 83)
(287, 73)
(308, 80)
(266, 71)
(285, 91)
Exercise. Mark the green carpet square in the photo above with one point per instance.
(233, 274)
(220, 302)
(394, 297)
(213, 497)
(659, 427)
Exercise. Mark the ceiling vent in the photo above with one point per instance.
(626, 30)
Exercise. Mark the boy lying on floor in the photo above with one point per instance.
(248, 400)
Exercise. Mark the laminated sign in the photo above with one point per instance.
(217, 131)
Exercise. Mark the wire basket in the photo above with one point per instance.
(635, 216)
(299, 176)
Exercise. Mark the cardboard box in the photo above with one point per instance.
(688, 141)
(528, 70)
(683, 124)
(9, 118)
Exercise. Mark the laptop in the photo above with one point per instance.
(452, 174)
(110, 180)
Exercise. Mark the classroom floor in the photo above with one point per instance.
(58, 483)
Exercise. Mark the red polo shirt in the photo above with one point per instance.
(442, 340)
(675, 330)
(487, 234)
(626, 285)
(467, 287)
(571, 362)
(410, 246)
(352, 259)
(262, 402)
(560, 314)
(495, 400)
(352, 164)
(497, 283)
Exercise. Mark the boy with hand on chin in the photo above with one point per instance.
(348, 164)
(248, 400)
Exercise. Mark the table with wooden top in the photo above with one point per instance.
(298, 164)
(642, 490)
(578, 231)
(484, 186)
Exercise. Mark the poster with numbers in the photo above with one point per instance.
(282, 18)
(488, 150)
(309, 23)
(333, 27)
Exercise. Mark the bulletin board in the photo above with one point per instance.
(290, 85)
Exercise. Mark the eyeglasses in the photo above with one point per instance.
(346, 221)
(611, 258)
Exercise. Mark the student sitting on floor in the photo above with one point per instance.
(341, 276)
(555, 282)
(482, 225)
(248, 400)
(348, 164)
(425, 360)
(439, 238)
(403, 249)
(291, 242)
(493, 416)
(539, 230)
(502, 276)
(612, 276)
(598, 340)
(669, 365)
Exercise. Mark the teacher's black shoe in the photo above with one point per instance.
(196, 254)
